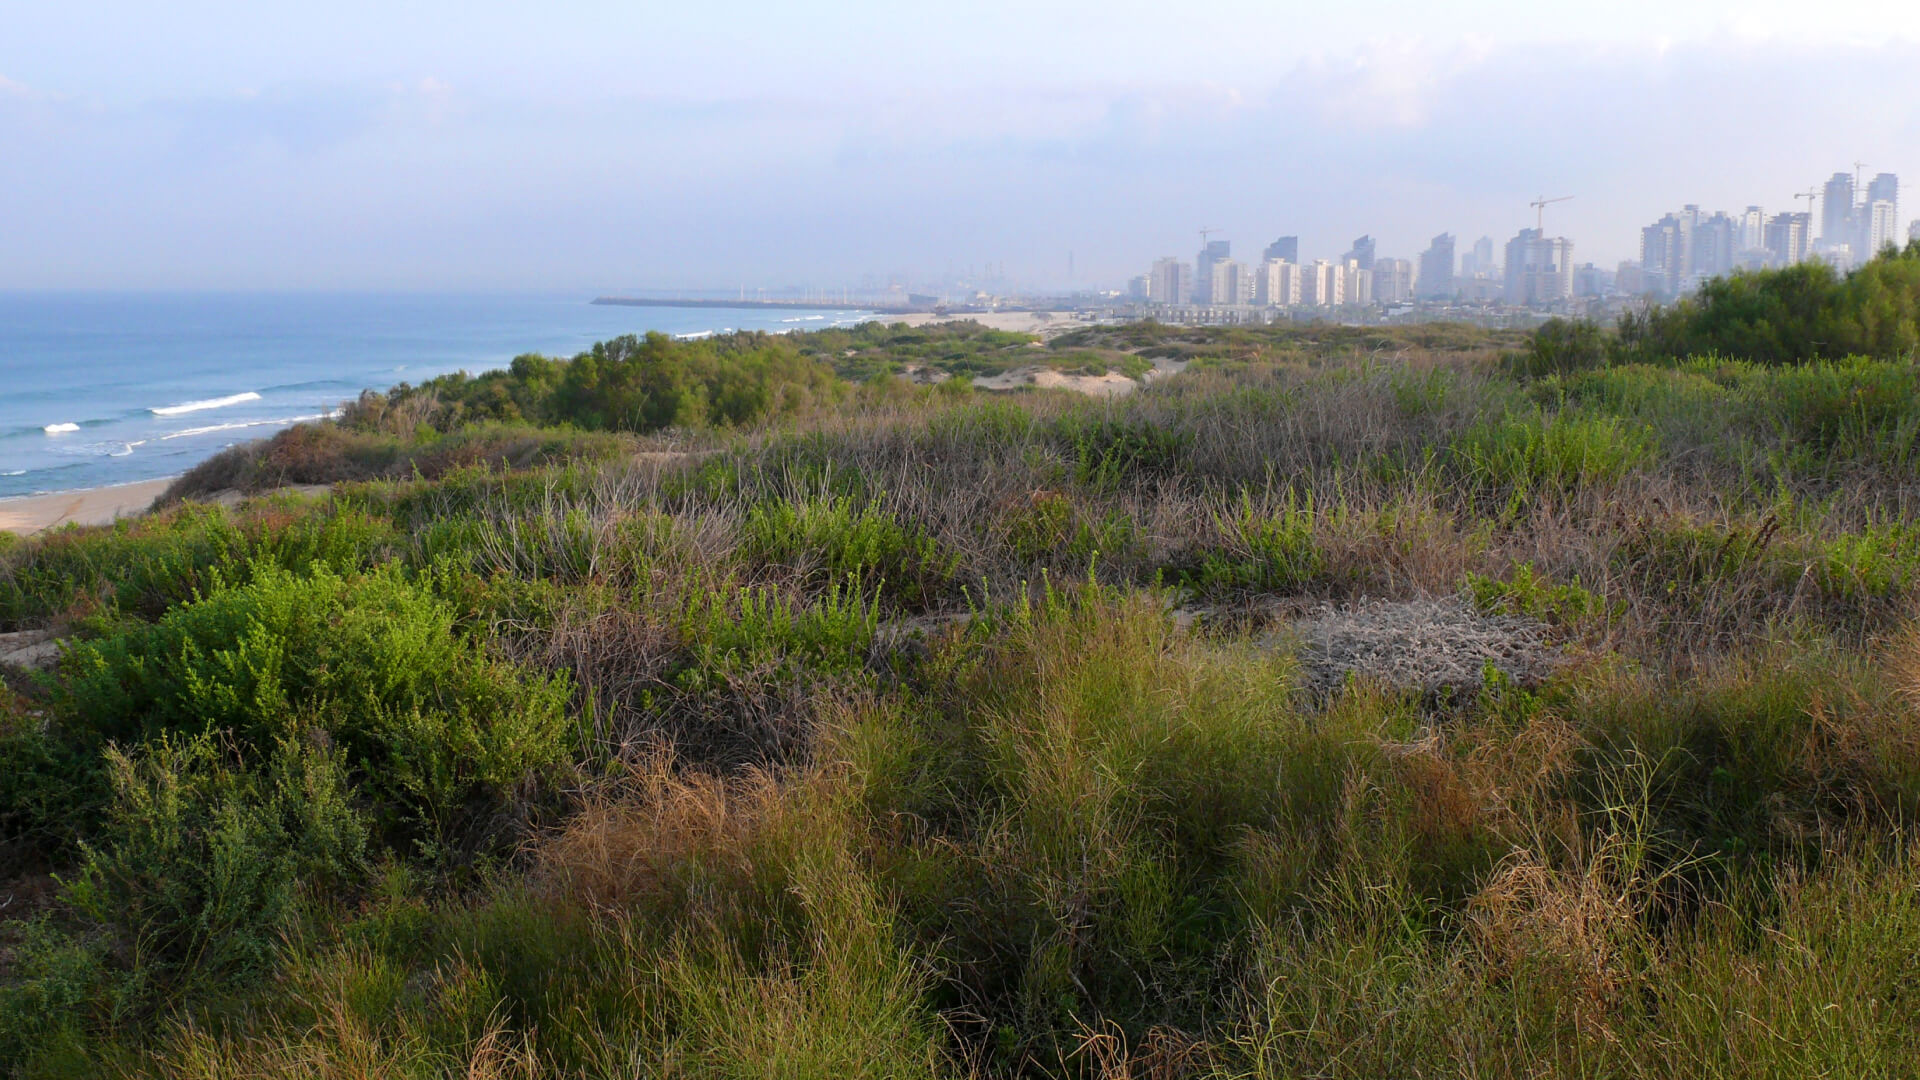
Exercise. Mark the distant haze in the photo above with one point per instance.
(597, 147)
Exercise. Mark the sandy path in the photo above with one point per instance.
(97, 506)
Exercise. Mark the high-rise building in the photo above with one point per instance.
(1836, 210)
(1138, 288)
(1753, 229)
(1213, 252)
(1664, 254)
(1483, 260)
(1279, 284)
(1630, 279)
(1392, 280)
(1913, 232)
(1715, 241)
(1436, 270)
(1789, 238)
(1231, 284)
(1883, 188)
(1356, 283)
(1539, 268)
(1287, 247)
(1170, 282)
(1323, 285)
(1361, 252)
(1879, 227)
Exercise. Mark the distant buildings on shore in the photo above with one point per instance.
(1856, 222)
(1535, 271)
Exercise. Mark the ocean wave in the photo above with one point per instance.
(60, 429)
(209, 403)
(212, 428)
(312, 384)
(14, 472)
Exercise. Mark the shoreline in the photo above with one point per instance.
(28, 515)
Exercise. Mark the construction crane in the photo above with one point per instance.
(1206, 231)
(1810, 194)
(1540, 211)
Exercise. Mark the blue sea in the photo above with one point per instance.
(99, 388)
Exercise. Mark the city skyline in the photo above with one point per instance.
(1847, 220)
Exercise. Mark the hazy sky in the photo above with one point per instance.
(599, 146)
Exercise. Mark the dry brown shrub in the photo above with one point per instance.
(635, 836)
(1162, 1054)
(1903, 661)
(1578, 929)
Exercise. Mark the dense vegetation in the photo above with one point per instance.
(1791, 315)
(890, 730)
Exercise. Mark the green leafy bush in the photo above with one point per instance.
(1790, 315)
(437, 734)
(1260, 552)
(1523, 454)
(730, 630)
(203, 852)
(146, 565)
(840, 541)
(1526, 592)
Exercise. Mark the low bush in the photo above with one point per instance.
(1260, 552)
(200, 861)
(829, 537)
(1522, 455)
(438, 737)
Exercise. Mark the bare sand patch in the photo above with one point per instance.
(96, 506)
(1043, 324)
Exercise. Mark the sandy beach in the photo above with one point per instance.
(98, 506)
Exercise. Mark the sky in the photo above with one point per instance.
(605, 147)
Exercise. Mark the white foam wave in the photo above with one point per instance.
(212, 428)
(209, 403)
(60, 429)
(15, 472)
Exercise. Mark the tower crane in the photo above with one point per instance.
(1540, 211)
(1206, 231)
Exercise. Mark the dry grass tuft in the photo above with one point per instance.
(636, 836)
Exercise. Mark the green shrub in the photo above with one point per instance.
(1560, 347)
(1790, 315)
(729, 630)
(1881, 562)
(1115, 447)
(1519, 455)
(1260, 552)
(834, 538)
(1526, 592)
(146, 565)
(203, 852)
(437, 734)
(59, 991)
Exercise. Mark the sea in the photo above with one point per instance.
(113, 388)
